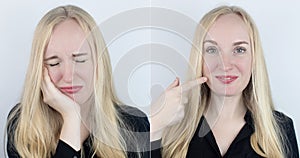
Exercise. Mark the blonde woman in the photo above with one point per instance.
(68, 107)
(231, 113)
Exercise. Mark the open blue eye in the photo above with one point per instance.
(211, 50)
(240, 50)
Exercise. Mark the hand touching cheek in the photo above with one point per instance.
(169, 107)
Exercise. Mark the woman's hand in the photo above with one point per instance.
(56, 99)
(169, 108)
(68, 108)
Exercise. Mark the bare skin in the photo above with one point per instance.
(169, 108)
(228, 59)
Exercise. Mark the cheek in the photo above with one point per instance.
(54, 75)
(245, 67)
(89, 76)
(86, 72)
(209, 66)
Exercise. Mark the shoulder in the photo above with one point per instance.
(137, 134)
(286, 126)
(134, 117)
(284, 122)
(12, 120)
(13, 117)
(282, 119)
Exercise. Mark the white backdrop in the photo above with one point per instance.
(145, 60)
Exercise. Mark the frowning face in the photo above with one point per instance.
(68, 58)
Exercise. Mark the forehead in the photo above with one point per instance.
(228, 28)
(67, 37)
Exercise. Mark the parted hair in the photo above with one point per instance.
(37, 127)
(267, 139)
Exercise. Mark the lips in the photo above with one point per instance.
(227, 79)
(70, 89)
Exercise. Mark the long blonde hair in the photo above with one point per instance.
(38, 126)
(267, 140)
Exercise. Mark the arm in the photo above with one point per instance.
(168, 109)
(62, 150)
(69, 110)
(69, 143)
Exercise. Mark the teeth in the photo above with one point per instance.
(226, 78)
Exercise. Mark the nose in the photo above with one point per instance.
(226, 62)
(68, 72)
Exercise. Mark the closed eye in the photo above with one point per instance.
(80, 61)
(80, 57)
(52, 61)
(53, 64)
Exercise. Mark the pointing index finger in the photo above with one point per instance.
(189, 85)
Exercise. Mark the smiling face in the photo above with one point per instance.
(68, 58)
(227, 56)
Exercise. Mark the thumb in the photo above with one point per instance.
(175, 83)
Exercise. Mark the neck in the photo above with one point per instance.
(84, 132)
(85, 114)
(85, 109)
(225, 107)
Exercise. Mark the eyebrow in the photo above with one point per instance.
(79, 54)
(210, 41)
(50, 58)
(56, 57)
(240, 42)
(234, 44)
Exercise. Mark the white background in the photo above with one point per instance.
(278, 24)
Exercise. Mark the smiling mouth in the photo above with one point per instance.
(71, 89)
(227, 79)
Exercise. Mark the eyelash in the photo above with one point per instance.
(80, 61)
(210, 48)
(53, 64)
(238, 49)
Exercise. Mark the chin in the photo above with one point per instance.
(78, 100)
(227, 93)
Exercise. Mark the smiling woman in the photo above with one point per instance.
(229, 110)
(68, 106)
(227, 56)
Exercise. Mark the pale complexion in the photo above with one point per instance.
(68, 79)
(228, 62)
